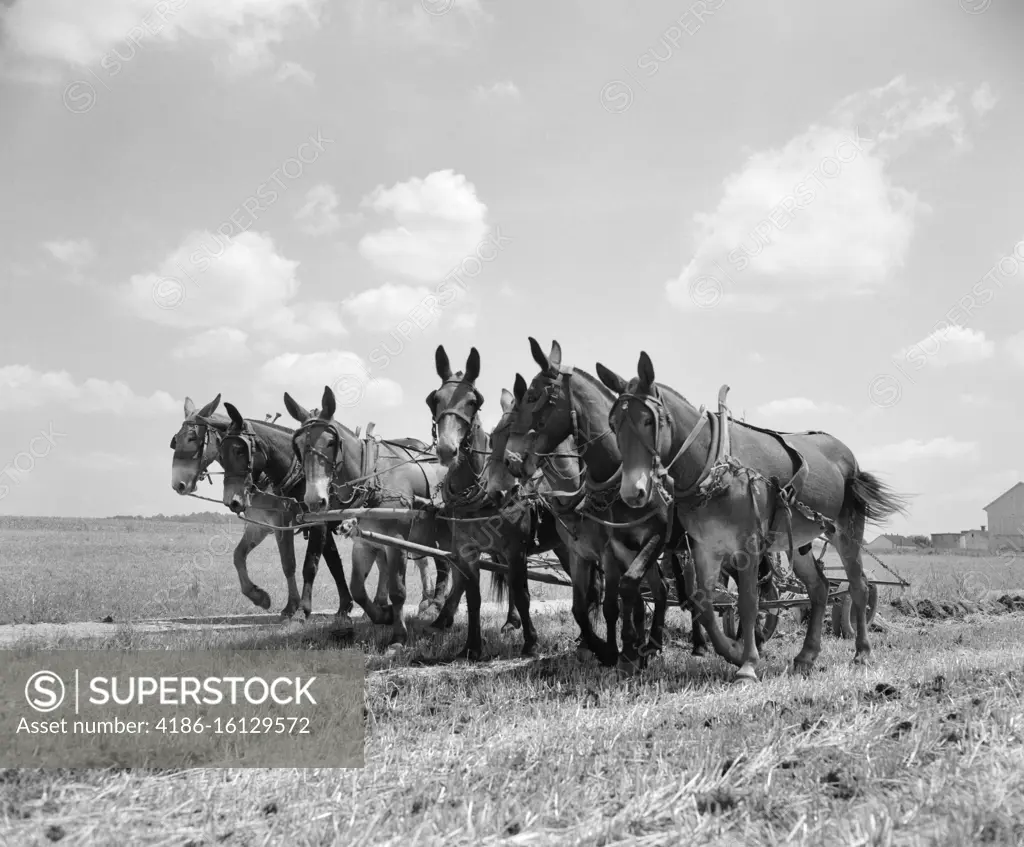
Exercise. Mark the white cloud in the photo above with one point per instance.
(796, 406)
(465, 320)
(243, 283)
(444, 25)
(224, 343)
(1014, 347)
(319, 214)
(107, 33)
(497, 91)
(913, 449)
(23, 387)
(76, 253)
(439, 222)
(983, 99)
(755, 358)
(381, 308)
(506, 290)
(293, 70)
(305, 375)
(977, 400)
(952, 345)
(819, 216)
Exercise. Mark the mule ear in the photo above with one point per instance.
(472, 366)
(479, 400)
(329, 404)
(645, 370)
(432, 402)
(237, 424)
(555, 358)
(444, 368)
(174, 441)
(538, 355)
(611, 379)
(190, 407)
(209, 408)
(519, 388)
(294, 409)
(508, 400)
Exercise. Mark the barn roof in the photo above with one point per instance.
(1001, 496)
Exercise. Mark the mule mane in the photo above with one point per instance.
(602, 389)
(668, 389)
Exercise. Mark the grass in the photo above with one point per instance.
(925, 746)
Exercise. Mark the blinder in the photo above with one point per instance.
(256, 458)
(202, 433)
(471, 423)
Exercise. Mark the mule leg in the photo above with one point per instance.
(425, 589)
(286, 547)
(512, 619)
(746, 585)
(706, 570)
(580, 570)
(446, 614)
(659, 590)
(363, 559)
(397, 564)
(610, 606)
(519, 594)
(333, 559)
(817, 591)
(381, 596)
(314, 549)
(700, 644)
(250, 540)
(442, 582)
(848, 539)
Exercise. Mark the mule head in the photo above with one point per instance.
(196, 445)
(454, 407)
(497, 478)
(317, 443)
(547, 408)
(243, 460)
(636, 419)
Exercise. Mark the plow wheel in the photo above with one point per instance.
(767, 619)
(842, 623)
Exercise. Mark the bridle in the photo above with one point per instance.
(255, 458)
(201, 430)
(331, 463)
(472, 424)
(659, 471)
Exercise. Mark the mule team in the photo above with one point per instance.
(608, 474)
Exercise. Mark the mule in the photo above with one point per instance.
(723, 480)
(196, 447)
(562, 403)
(558, 485)
(346, 471)
(476, 526)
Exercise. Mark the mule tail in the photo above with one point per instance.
(873, 499)
(499, 585)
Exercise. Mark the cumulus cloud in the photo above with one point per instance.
(243, 283)
(497, 91)
(75, 252)
(304, 375)
(24, 387)
(1014, 348)
(379, 309)
(223, 343)
(442, 25)
(295, 71)
(465, 320)
(821, 215)
(319, 215)
(983, 99)
(952, 345)
(105, 33)
(438, 222)
(913, 449)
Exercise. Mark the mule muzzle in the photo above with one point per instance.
(183, 487)
(316, 503)
(638, 494)
(237, 505)
(514, 463)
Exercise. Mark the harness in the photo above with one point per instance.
(365, 489)
(202, 433)
(719, 462)
(255, 475)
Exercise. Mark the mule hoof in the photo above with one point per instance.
(424, 605)
(801, 668)
(288, 612)
(529, 651)
(629, 667)
(510, 627)
(470, 655)
(745, 675)
(262, 599)
(863, 660)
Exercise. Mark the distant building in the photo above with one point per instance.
(1006, 519)
(945, 540)
(890, 542)
(974, 539)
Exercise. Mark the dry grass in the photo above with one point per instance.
(926, 746)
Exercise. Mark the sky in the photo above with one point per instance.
(818, 204)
